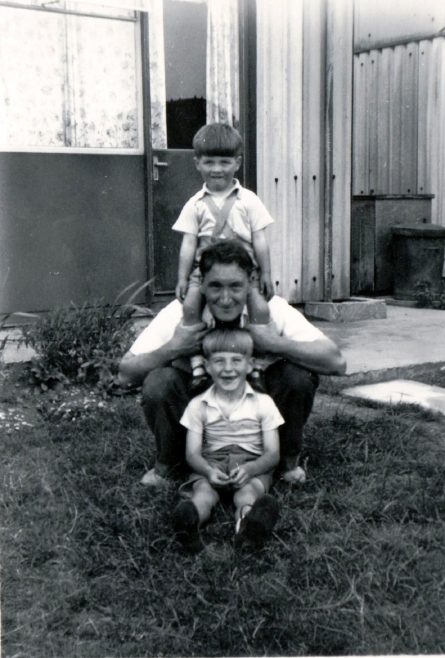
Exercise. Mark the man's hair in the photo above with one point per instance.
(225, 252)
(217, 139)
(238, 341)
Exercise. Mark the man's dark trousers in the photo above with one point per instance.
(165, 395)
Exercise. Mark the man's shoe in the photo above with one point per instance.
(296, 475)
(153, 479)
(256, 527)
(186, 526)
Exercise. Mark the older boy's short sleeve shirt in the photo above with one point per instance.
(247, 215)
(254, 414)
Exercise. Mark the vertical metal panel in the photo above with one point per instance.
(340, 49)
(408, 146)
(383, 117)
(395, 120)
(360, 180)
(424, 104)
(372, 104)
(409, 99)
(279, 136)
(436, 133)
(313, 145)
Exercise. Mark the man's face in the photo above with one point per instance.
(217, 171)
(225, 288)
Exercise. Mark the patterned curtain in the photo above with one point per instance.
(222, 61)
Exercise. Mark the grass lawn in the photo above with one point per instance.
(90, 568)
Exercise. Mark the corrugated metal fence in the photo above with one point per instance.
(399, 121)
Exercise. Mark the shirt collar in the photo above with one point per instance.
(209, 395)
(205, 190)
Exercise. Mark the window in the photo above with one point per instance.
(69, 79)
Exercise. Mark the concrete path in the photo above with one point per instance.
(408, 336)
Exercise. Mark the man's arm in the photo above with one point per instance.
(185, 341)
(320, 355)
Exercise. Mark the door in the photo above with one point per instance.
(174, 176)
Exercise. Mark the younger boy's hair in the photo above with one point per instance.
(217, 139)
(227, 340)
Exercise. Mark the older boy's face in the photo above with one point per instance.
(225, 288)
(217, 171)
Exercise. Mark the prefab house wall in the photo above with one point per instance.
(304, 106)
(399, 121)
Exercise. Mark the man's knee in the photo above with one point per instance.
(160, 384)
(291, 379)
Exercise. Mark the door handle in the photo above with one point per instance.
(156, 164)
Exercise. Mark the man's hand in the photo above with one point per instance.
(265, 337)
(217, 478)
(187, 339)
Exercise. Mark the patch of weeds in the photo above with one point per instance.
(80, 344)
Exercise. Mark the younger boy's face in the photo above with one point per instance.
(217, 171)
(229, 370)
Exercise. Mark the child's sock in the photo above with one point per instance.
(200, 378)
(257, 381)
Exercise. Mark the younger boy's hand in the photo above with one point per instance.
(266, 286)
(217, 478)
(239, 476)
(180, 290)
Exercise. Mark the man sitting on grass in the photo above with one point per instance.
(232, 444)
(292, 352)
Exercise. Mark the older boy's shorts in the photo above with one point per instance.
(226, 459)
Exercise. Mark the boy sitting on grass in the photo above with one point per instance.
(232, 444)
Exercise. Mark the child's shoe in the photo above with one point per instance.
(200, 381)
(257, 381)
(186, 526)
(256, 527)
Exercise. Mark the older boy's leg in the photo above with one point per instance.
(190, 514)
(165, 395)
(293, 391)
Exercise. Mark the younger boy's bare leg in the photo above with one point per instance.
(190, 514)
(257, 514)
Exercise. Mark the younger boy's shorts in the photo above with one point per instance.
(226, 459)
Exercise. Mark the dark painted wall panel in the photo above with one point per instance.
(72, 227)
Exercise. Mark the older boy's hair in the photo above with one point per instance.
(217, 139)
(225, 252)
(227, 340)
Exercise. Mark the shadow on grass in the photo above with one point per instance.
(90, 567)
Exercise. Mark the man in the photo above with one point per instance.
(291, 350)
